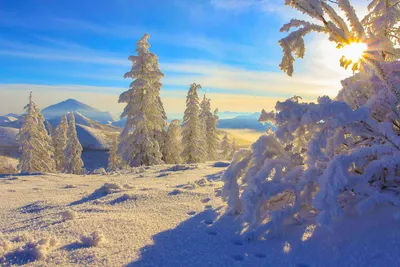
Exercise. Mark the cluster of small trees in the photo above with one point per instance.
(144, 139)
(327, 155)
(59, 151)
(228, 149)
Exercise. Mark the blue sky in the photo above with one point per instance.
(79, 49)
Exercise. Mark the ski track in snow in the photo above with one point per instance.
(171, 220)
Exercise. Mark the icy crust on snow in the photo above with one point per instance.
(135, 218)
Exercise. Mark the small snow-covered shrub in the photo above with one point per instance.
(8, 165)
(32, 251)
(5, 245)
(108, 188)
(95, 239)
(68, 215)
(38, 250)
(180, 167)
(101, 171)
(21, 238)
(320, 154)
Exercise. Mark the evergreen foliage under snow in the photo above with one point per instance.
(193, 149)
(173, 145)
(209, 123)
(60, 142)
(113, 159)
(225, 147)
(73, 149)
(37, 152)
(139, 140)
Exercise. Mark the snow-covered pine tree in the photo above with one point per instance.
(193, 150)
(225, 147)
(73, 150)
(60, 143)
(212, 135)
(50, 129)
(113, 161)
(204, 109)
(173, 144)
(37, 152)
(233, 148)
(144, 112)
(209, 122)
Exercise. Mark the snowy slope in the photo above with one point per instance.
(7, 137)
(163, 216)
(92, 138)
(7, 118)
(91, 134)
(68, 105)
(83, 120)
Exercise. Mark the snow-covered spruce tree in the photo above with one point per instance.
(225, 147)
(60, 142)
(212, 135)
(204, 109)
(327, 156)
(113, 160)
(173, 144)
(144, 111)
(209, 121)
(193, 150)
(233, 148)
(73, 149)
(37, 152)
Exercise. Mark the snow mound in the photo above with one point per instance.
(32, 251)
(124, 198)
(106, 189)
(101, 171)
(181, 167)
(221, 164)
(68, 215)
(8, 165)
(95, 239)
(5, 246)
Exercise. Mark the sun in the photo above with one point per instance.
(354, 51)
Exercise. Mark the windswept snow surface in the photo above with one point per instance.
(166, 216)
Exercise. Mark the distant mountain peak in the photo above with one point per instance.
(70, 105)
(73, 105)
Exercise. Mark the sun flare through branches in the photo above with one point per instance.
(352, 53)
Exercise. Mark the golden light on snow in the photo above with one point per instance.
(354, 51)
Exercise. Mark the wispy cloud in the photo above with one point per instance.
(64, 57)
(317, 74)
(249, 53)
(243, 5)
